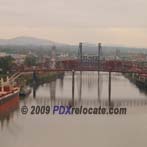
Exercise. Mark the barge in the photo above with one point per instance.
(9, 96)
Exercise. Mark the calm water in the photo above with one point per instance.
(82, 131)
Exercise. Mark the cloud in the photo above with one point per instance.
(112, 21)
(90, 13)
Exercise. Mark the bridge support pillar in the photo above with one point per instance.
(34, 77)
(34, 91)
(73, 86)
(80, 89)
(98, 85)
(109, 89)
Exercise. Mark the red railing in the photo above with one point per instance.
(106, 66)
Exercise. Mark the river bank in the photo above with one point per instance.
(41, 78)
(139, 80)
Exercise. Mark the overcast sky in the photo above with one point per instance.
(120, 22)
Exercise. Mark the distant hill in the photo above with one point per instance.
(36, 44)
(28, 41)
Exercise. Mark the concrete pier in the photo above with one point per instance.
(73, 86)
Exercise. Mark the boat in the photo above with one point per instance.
(25, 91)
(9, 96)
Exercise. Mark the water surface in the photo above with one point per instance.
(83, 130)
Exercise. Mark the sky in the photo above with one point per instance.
(111, 22)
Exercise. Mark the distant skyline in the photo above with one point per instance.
(113, 22)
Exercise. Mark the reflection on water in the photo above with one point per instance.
(90, 85)
(7, 112)
(91, 88)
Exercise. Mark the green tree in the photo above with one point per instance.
(30, 61)
(5, 64)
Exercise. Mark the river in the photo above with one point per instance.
(128, 130)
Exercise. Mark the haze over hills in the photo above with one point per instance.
(37, 43)
(23, 40)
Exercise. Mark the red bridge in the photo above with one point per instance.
(77, 65)
(85, 64)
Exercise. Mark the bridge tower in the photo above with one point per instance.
(80, 58)
(99, 54)
(53, 58)
(98, 68)
(80, 53)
